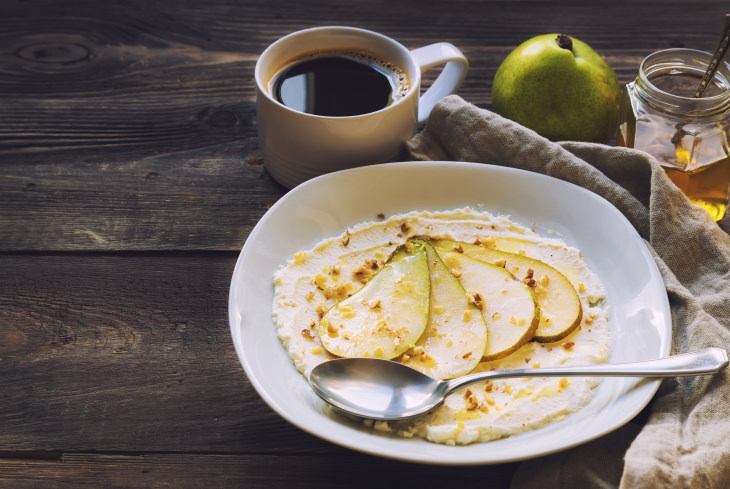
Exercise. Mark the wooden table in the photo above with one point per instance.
(130, 178)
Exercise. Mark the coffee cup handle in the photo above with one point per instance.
(448, 81)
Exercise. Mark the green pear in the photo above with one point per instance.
(387, 315)
(559, 87)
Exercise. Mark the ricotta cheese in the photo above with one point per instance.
(314, 280)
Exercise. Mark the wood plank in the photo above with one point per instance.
(128, 353)
(133, 118)
(193, 201)
(183, 471)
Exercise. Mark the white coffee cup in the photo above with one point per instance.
(297, 146)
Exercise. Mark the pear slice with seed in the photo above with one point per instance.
(387, 315)
(456, 335)
(507, 304)
(560, 307)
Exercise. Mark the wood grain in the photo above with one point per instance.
(130, 178)
(114, 353)
(252, 472)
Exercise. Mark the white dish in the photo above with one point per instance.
(326, 206)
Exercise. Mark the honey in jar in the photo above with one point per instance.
(688, 135)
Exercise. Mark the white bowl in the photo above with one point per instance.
(640, 319)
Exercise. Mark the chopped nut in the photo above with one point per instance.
(488, 242)
(332, 331)
(381, 216)
(346, 239)
(471, 400)
(458, 249)
(366, 272)
(477, 299)
(529, 279)
(404, 227)
(320, 281)
(568, 345)
(466, 355)
(307, 334)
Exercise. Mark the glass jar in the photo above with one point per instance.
(688, 135)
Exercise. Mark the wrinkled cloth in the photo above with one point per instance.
(682, 440)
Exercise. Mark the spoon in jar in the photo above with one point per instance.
(385, 390)
(716, 58)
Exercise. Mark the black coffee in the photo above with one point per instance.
(339, 84)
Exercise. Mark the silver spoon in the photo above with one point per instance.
(383, 389)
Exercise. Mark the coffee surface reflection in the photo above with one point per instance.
(339, 84)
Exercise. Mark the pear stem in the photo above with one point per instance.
(564, 41)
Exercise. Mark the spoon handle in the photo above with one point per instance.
(707, 361)
(716, 58)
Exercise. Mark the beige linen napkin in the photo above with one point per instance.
(683, 441)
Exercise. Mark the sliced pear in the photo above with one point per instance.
(387, 315)
(456, 335)
(571, 269)
(560, 307)
(507, 304)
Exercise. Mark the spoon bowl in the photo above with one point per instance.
(386, 390)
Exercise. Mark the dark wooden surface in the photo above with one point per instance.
(130, 178)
